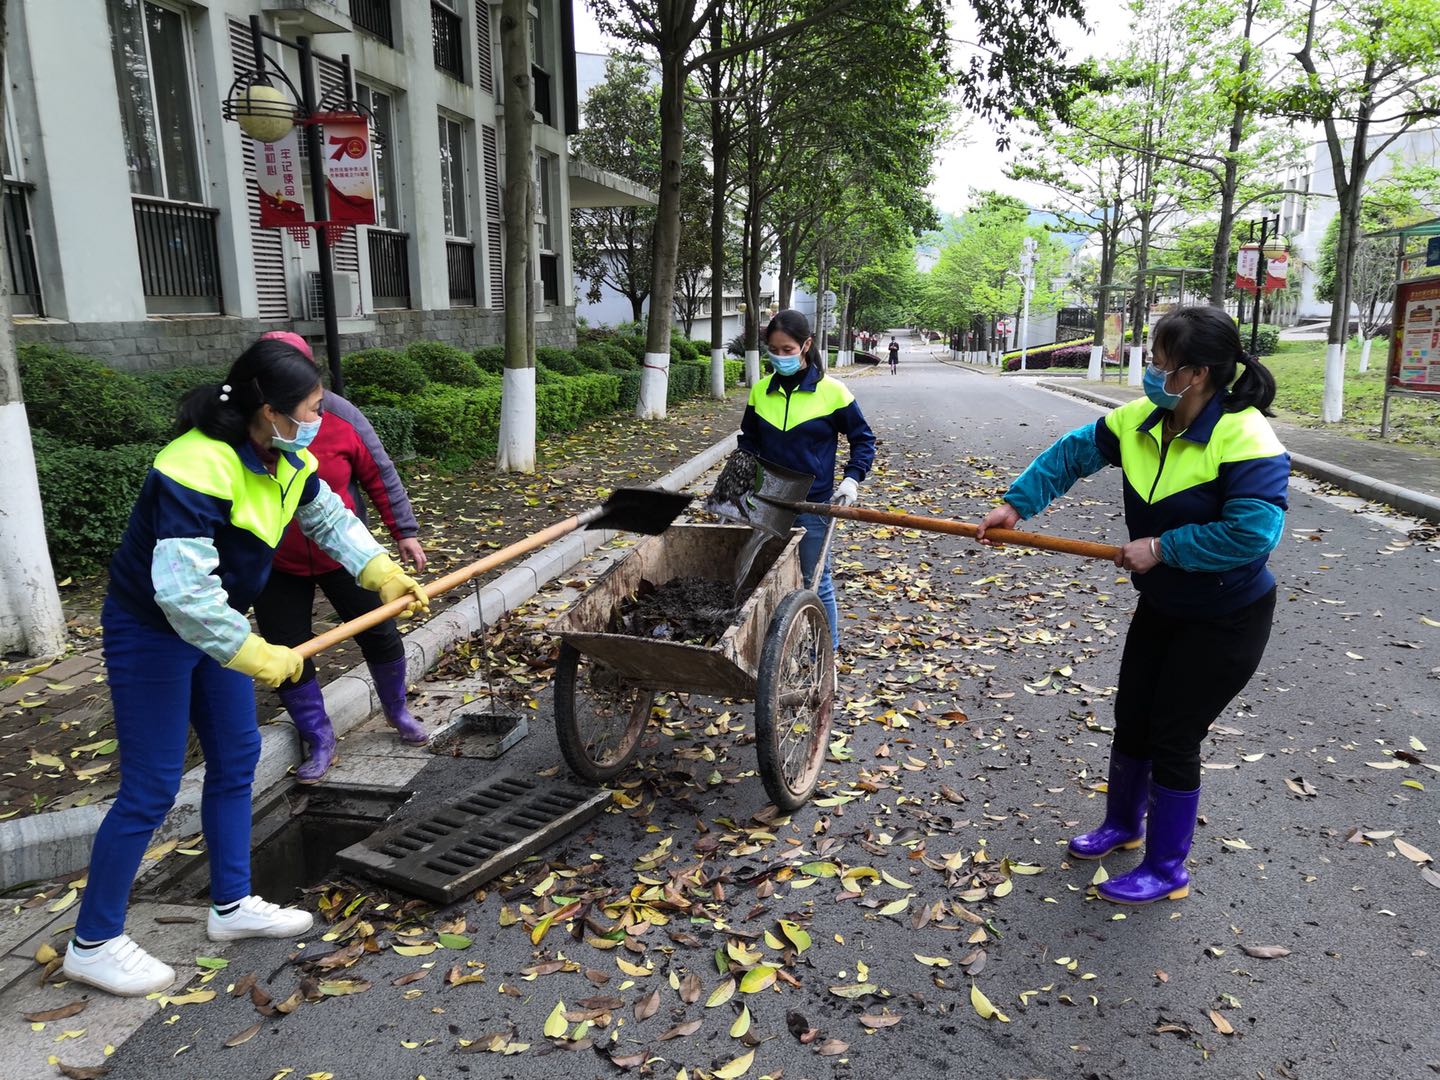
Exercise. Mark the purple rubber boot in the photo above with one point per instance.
(306, 705)
(1162, 874)
(1125, 800)
(390, 687)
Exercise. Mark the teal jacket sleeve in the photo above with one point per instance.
(1071, 457)
(189, 592)
(340, 534)
(1248, 529)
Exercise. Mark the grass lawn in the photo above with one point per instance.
(1299, 368)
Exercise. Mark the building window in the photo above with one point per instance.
(153, 75)
(447, 39)
(540, 72)
(453, 172)
(373, 16)
(382, 117)
(545, 223)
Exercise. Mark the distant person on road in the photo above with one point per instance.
(894, 355)
(794, 418)
(179, 652)
(349, 456)
(1205, 483)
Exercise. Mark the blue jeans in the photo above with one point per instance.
(815, 526)
(160, 687)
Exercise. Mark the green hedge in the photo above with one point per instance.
(396, 428)
(567, 403)
(88, 492)
(383, 369)
(593, 359)
(1267, 339)
(629, 389)
(561, 360)
(444, 363)
(82, 402)
(679, 343)
(491, 358)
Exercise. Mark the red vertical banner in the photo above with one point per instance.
(1415, 342)
(350, 169)
(1247, 268)
(278, 176)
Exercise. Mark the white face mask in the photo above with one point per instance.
(305, 433)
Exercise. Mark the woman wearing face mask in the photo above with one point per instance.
(179, 652)
(1205, 484)
(794, 418)
(349, 456)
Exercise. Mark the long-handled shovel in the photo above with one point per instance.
(768, 497)
(649, 511)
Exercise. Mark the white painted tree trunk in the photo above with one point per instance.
(1096, 370)
(752, 366)
(1365, 355)
(517, 421)
(717, 374)
(1137, 366)
(31, 619)
(1334, 404)
(654, 380)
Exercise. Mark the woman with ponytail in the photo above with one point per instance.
(1205, 483)
(179, 652)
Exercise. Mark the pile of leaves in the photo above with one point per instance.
(687, 610)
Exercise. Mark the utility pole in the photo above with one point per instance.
(1027, 283)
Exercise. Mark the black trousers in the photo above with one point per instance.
(283, 612)
(1177, 675)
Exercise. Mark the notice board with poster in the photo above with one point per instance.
(1415, 344)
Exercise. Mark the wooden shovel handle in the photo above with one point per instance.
(1087, 548)
(345, 631)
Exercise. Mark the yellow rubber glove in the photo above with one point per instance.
(383, 574)
(267, 663)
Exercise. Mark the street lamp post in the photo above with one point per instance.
(1261, 269)
(265, 114)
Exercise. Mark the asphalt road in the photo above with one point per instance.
(987, 673)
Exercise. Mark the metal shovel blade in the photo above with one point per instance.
(749, 489)
(648, 511)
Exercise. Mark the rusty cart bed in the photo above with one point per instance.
(776, 651)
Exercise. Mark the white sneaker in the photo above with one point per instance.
(258, 918)
(118, 967)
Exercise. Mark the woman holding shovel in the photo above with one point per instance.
(1205, 484)
(179, 652)
(794, 418)
(346, 452)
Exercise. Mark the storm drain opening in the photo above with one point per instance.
(483, 735)
(455, 849)
(294, 843)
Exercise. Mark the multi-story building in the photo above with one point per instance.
(131, 213)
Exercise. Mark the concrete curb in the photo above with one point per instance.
(1416, 503)
(44, 846)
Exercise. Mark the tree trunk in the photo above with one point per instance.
(31, 618)
(637, 308)
(720, 156)
(517, 400)
(843, 354)
(665, 248)
(789, 243)
(822, 283)
(1220, 256)
(1332, 408)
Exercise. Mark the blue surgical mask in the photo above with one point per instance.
(1155, 380)
(308, 429)
(784, 365)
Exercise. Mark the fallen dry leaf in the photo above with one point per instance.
(1221, 1024)
(1265, 952)
(64, 1012)
(1410, 851)
(243, 1036)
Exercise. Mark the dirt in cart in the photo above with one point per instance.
(690, 610)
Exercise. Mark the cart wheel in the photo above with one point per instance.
(794, 699)
(599, 718)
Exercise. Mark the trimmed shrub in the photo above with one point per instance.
(734, 372)
(544, 376)
(635, 345)
(561, 360)
(702, 348)
(1267, 339)
(165, 388)
(593, 358)
(621, 358)
(444, 363)
(82, 402)
(566, 403)
(383, 369)
(683, 346)
(629, 390)
(88, 493)
(491, 358)
(395, 425)
(456, 420)
(1066, 356)
(686, 381)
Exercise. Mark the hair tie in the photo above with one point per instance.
(225, 392)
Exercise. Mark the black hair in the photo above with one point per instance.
(267, 373)
(1205, 336)
(794, 324)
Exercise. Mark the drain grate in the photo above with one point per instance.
(473, 838)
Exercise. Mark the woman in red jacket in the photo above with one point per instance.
(350, 457)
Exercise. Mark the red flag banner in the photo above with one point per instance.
(350, 170)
